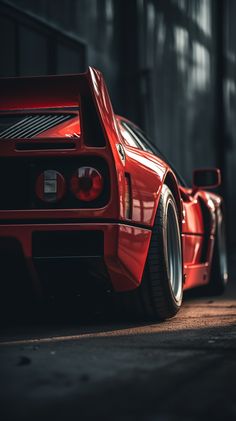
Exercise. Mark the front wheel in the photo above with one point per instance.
(160, 294)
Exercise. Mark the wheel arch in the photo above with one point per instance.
(210, 221)
(207, 222)
(171, 182)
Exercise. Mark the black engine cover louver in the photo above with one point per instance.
(27, 126)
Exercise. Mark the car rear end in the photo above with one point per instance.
(64, 190)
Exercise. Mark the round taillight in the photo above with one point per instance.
(86, 184)
(50, 186)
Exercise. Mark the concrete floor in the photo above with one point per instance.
(182, 369)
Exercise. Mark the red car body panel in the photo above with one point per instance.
(126, 220)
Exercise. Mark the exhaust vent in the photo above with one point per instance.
(27, 126)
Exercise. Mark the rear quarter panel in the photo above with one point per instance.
(147, 175)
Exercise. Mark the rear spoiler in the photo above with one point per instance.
(36, 92)
(86, 91)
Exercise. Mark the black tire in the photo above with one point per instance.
(160, 294)
(219, 268)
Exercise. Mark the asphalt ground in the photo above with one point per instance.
(99, 369)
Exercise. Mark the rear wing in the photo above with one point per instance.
(86, 91)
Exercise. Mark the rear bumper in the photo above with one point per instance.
(118, 251)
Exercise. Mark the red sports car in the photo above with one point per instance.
(88, 203)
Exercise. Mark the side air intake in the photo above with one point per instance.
(29, 125)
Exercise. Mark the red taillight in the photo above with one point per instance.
(50, 186)
(87, 184)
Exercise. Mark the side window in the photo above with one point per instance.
(157, 152)
(136, 140)
(129, 139)
(148, 146)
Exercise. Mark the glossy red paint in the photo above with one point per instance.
(126, 233)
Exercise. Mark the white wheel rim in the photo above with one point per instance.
(174, 256)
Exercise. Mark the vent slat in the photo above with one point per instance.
(12, 128)
(26, 129)
(43, 126)
(25, 126)
(30, 125)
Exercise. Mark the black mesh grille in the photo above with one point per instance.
(27, 126)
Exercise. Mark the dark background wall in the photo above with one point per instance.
(170, 65)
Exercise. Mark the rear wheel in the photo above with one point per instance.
(160, 294)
